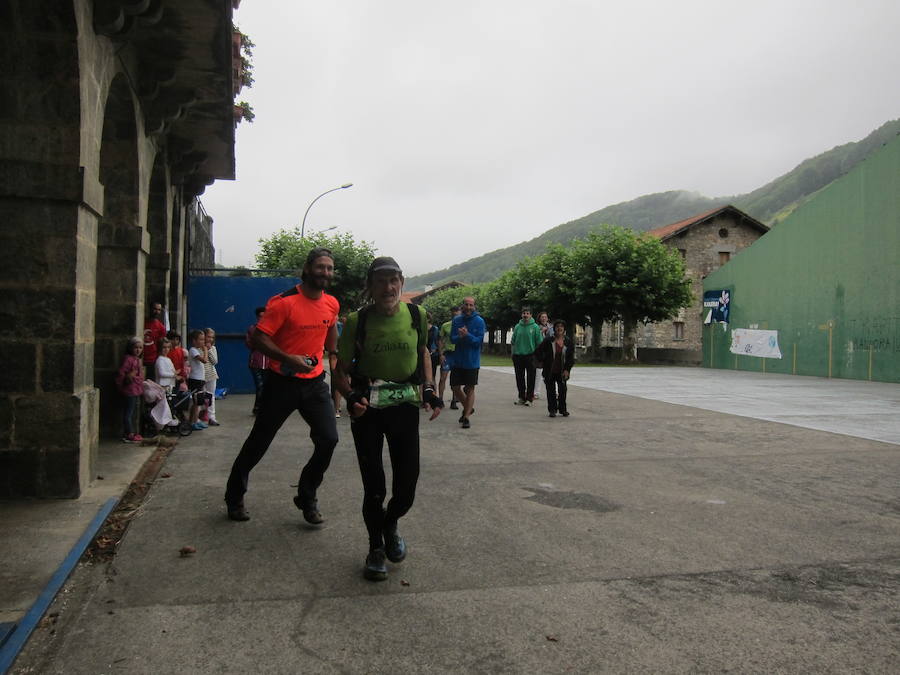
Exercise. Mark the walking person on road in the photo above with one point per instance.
(546, 329)
(557, 356)
(297, 325)
(526, 337)
(383, 358)
(467, 333)
(446, 347)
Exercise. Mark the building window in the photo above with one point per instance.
(723, 232)
(683, 252)
(679, 330)
(724, 257)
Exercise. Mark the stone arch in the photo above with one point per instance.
(121, 248)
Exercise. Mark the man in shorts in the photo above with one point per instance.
(295, 328)
(467, 334)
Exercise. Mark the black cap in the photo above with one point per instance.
(318, 252)
(383, 263)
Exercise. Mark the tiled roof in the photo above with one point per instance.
(672, 229)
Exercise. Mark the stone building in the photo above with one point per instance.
(706, 242)
(116, 115)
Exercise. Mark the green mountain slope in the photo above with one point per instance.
(770, 204)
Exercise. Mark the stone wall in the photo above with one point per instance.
(94, 220)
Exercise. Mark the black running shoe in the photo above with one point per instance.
(465, 423)
(394, 545)
(376, 568)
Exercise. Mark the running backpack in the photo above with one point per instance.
(416, 376)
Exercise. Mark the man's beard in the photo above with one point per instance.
(319, 282)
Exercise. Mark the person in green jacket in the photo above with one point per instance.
(526, 337)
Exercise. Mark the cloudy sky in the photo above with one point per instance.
(469, 126)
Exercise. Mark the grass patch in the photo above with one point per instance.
(494, 360)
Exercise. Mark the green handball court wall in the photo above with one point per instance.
(827, 279)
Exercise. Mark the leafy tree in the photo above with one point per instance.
(629, 277)
(285, 250)
(440, 304)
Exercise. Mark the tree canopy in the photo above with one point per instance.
(285, 250)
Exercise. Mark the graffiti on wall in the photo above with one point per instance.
(880, 333)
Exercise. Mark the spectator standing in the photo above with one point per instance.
(196, 378)
(165, 368)
(526, 337)
(211, 376)
(467, 333)
(130, 382)
(179, 359)
(258, 361)
(154, 332)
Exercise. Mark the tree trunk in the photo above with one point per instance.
(629, 341)
(596, 332)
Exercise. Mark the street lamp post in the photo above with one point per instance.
(303, 225)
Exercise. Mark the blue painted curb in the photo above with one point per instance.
(20, 632)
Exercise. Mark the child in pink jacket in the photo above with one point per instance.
(130, 381)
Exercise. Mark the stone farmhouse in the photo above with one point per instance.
(706, 242)
(116, 115)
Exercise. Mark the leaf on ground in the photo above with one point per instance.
(185, 551)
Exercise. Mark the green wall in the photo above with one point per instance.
(829, 273)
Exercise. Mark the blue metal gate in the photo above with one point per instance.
(227, 304)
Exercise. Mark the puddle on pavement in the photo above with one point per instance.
(571, 500)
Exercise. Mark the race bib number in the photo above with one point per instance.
(385, 394)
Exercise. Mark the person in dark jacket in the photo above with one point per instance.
(556, 354)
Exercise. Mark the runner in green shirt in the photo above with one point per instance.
(447, 348)
(379, 377)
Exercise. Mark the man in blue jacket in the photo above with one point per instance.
(467, 333)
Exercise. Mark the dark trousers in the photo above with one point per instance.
(258, 375)
(525, 374)
(131, 404)
(556, 393)
(400, 425)
(280, 397)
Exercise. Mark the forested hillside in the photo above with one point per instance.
(770, 204)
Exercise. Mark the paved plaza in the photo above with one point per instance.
(637, 535)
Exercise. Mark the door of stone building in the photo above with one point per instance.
(227, 304)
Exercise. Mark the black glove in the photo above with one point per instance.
(355, 396)
(429, 398)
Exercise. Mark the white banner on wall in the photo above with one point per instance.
(762, 343)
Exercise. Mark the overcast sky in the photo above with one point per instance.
(470, 126)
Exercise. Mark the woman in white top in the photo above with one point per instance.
(165, 369)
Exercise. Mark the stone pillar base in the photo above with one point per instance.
(51, 445)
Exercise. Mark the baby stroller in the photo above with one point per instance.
(166, 411)
(179, 403)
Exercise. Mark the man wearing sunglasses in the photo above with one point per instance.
(295, 329)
